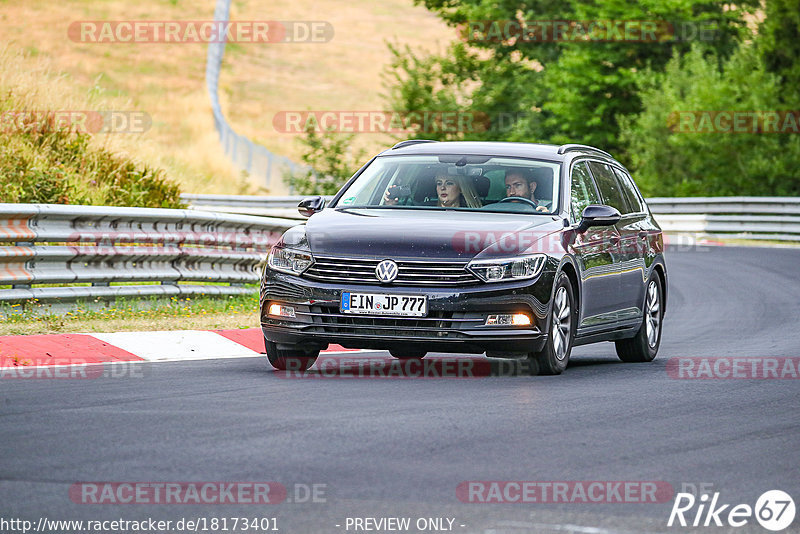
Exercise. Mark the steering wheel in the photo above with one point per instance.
(514, 199)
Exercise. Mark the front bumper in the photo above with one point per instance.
(455, 321)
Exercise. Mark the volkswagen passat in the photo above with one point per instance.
(515, 250)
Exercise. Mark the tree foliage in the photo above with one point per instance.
(555, 91)
(779, 39)
(672, 161)
(331, 160)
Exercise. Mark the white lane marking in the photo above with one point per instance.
(177, 345)
(160, 360)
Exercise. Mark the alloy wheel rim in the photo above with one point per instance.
(653, 314)
(562, 322)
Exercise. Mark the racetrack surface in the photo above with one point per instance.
(400, 447)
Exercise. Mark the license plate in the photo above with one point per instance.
(384, 304)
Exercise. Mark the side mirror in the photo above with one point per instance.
(310, 206)
(598, 215)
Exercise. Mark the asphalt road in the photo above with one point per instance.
(400, 447)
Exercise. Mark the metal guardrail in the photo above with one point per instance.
(85, 249)
(761, 218)
(268, 206)
(775, 218)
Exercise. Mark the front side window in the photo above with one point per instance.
(609, 186)
(583, 191)
(482, 183)
(629, 189)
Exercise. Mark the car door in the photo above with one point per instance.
(634, 231)
(594, 252)
(611, 195)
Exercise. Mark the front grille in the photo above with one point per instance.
(284, 291)
(410, 273)
(437, 325)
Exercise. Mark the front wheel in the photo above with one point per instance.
(289, 359)
(643, 347)
(553, 358)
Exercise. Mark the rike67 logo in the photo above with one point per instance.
(774, 510)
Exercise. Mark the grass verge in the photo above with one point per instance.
(129, 315)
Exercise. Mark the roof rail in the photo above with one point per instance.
(583, 148)
(409, 142)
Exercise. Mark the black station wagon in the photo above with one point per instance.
(510, 249)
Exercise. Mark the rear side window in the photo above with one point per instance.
(583, 191)
(629, 189)
(609, 186)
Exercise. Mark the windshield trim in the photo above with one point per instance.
(555, 210)
(436, 208)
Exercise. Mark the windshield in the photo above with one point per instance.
(456, 182)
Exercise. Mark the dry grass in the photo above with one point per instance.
(167, 80)
(199, 313)
(55, 325)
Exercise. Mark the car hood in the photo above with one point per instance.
(415, 233)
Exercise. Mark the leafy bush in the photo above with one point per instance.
(43, 163)
(551, 90)
(679, 163)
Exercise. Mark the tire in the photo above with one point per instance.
(289, 360)
(406, 354)
(643, 347)
(553, 358)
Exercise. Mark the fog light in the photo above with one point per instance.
(281, 311)
(509, 319)
(520, 319)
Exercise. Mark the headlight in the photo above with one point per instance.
(291, 255)
(508, 269)
(289, 261)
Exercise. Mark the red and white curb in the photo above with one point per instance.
(173, 345)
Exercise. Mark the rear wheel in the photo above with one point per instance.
(408, 354)
(643, 347)
(553, 358)
(289, 359)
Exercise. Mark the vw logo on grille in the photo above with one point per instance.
(386, 271)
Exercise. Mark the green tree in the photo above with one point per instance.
(553, 91)
(667, 160)
(779, 39)
(331, 161)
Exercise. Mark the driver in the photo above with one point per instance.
(521, 184)
(451, 192)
